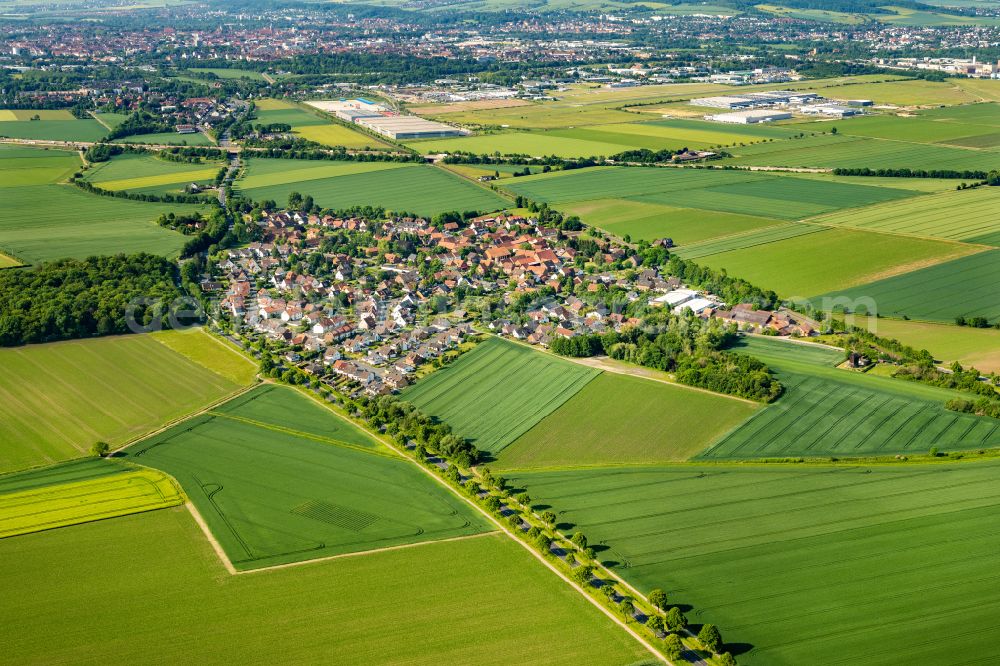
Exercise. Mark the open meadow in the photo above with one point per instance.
(442, 602)
(829, 412)
(148, 174)
(279, 478)
(815, 263)
(79, 492)
(964, 287)
(617, 420)
(803, 565)
(111, 389)
(43, 219)
(52, 125)
(397, 186)
(498, 391)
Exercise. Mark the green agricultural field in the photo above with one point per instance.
(742, 241)
(616, 419)
(833, 259)
(974, 347)
(111, 120)
(216, 354)
(841, 151)
(337, 611)
(963, 287)
(803, 565)
(46, 222)
(498, 391)
(279, 479)
(33, 166)
(168, 138)
(149, 174)
(606, 139)
(223, 73)
(829, 412)
(79, 492)
(648, 221)
(416, 188)
(338, 135)
(738, 192)
(969, 215)
(111, 389)
(15, 124)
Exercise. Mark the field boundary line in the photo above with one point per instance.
(502, 528)
(370, 551)
(216, 546)
(180, 419)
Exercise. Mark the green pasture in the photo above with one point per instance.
(224, 73)
(111, 120)
(617, 419)
(648, 221)
(79, 492)
(841, 151)
(963, 287)
(742, 241)
(803, 565)
(498, 391)
(145, 173)
(968, 215)
(279, 479)
(816, 263)
(46, 222)
(211, 352)
(54, 126)
(416, 188)
(829, 412)
(336, 611)
(110, 389)
(168, 138)
(34, 166)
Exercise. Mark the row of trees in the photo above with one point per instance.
(88, 186)
(915, 173)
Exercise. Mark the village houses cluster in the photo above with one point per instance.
(374, 316)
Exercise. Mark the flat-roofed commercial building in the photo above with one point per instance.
(409, 127)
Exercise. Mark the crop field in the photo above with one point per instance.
(32, 166)
(902, 91)
(46, 222)
(336, 611)
(648, 221)
(279, 479)
(224, 73)
(54, 125)
(616, 420)
(967, 215)
(168, 138)
(840, 151)
(973, 125)
(210, 352)
(803, 565)
(338, 135)
(847, 257)
(534, 144)
(111, 120)
(416, 188)
(962, 287)
(498, 391)
(110, 389)
(80, 492)
(825, 411)
(746, 240)
(740, 192)
(149, 174)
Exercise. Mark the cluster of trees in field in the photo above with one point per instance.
(980, 407)
(690, 347)
(191, 155)
(730, 289)
(140, 122)
(916, 173)
(914, 364)
(77, 299)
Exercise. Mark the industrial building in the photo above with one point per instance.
(402, 128)
(750, 117)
